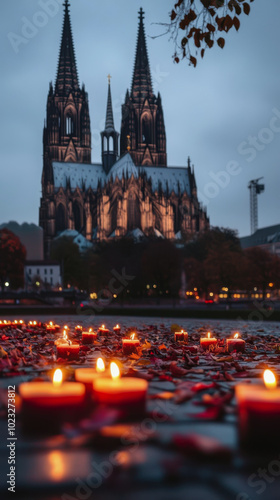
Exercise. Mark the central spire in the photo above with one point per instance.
(67, 74)
(141, 82)
(109, 125)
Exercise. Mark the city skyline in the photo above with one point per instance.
(220, 142)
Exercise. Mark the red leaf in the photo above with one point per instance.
(246, 8)
(200, 386)
(236, 23)
(193, 61)
(212, 413)
(177, 371)
(221, 42)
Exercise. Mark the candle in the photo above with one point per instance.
(89, 337)
(206, 342)
(259, 413)
(51, 328)
(103, 330)
(117, 329)
(128, 394)
(46, 405)
(130, 345)
(67, 349)
(88, 375)
(236, 344)
(78, 329)
(181, 336)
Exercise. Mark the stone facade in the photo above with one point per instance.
(131, 191)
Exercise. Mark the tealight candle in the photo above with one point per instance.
(181, 336)
(206, 342)
(88, 375)
(128, 394)
(236, 344)
(67, 349)
(259, 413)
(103, 330)
(89, 337)
(130, 345)
(45, 405)
(117, 328)
(51, 328)
(78, 329)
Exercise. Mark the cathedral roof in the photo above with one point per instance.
(167, 179)
(67, 74)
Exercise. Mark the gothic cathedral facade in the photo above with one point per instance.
(132, 191)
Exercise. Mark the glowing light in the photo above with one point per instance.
(51, 323)
(132, 336)
(209, 335)
(57, 377)
(90, 330)
(100, 366)
(115, 372)
(269, 379)
(65, 336)
(103, 326)
(236, 336)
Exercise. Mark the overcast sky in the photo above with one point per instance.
(211, 112)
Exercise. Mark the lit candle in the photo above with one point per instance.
(130, 345)
(206, 342)
(46, 405)
(259, 413)
(128, 394)
(236, 344)
(88, 375)
(181, 336)
(103, 330)
(89, 337)
(117, 329)
(51, 328)
(78, 329)
(67, 349)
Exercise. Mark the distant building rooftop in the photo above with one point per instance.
(264, 236)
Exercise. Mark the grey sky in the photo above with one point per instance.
(209, 111)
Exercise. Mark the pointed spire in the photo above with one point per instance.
(67, 74)
(109, 125)
(141, 82)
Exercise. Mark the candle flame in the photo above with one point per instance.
(57, 377)
(269, 379)
(182, 331)
(100, 366)
(103, 326)
(132, 336)
(208, 335)
(51, 323)
(90, 330)
(65, 327)
(236, 336)
(65, 336)
(115, 372)
(34, 322)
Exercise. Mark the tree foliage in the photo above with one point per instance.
(197, 25)
(12, 258)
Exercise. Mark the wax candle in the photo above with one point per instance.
(46, 405)
(181, 336)
(130, 345)
(89, 337)
(103, 330)
(117, 329)
(236, 344)
(206, 342)
(88, 375)
(78, 329)
(67, 349)
(127, 394)
(51, 328)
(259, 413)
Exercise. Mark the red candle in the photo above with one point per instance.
(181, 336)
(117, 329)
(78, 329)
(51, 328)
(130, 345)
(259, 413)
(128, 394)
(66, 349)
(236, 344)
(206, 342)
(88, 375)
(45, 405)
(89, 337)
(103, 330)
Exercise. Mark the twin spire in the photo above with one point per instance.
(67, 75)
(141, 81)
(109, 124)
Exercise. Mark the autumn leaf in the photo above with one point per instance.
(221, 42)
(3, 353)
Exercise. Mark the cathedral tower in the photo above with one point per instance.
(143, 130)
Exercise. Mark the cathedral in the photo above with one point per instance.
(132, 191)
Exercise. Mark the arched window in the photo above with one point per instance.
(69, 125)
(77, 216)
(60, 219)
(146, 130)
(114, 215)
(133, 212)
(111, 144)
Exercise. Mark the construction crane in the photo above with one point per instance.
(255, 189)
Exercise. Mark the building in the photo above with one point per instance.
(43, 274)
(132, 188)
(267, 238)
